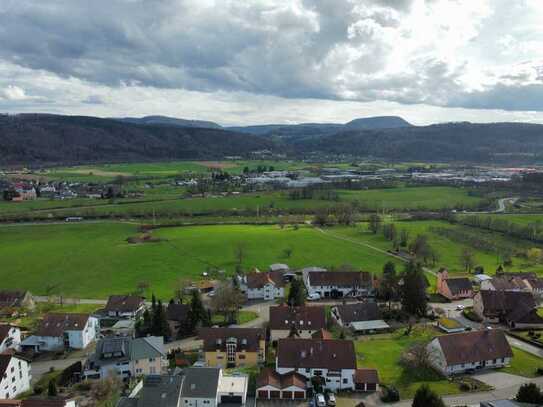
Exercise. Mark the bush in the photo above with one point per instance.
(529, 393)
(390, 395)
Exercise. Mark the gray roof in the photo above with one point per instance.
(157, 391)
(201, 382)
(122, 349)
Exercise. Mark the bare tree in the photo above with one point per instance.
(227, 301)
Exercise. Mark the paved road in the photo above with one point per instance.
(534, 350)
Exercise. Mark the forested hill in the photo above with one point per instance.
(31, 139)
(503, 142)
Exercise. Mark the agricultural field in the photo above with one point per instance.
(94, 259)
(428, 198)
(524, 220)
(166, 200)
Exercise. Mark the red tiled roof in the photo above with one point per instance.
(269, 377)
(310, 317)
(366, 376)
(333, 354)
(340, 278)
(4, 331)
(124, 303)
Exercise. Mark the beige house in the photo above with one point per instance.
(233, 347)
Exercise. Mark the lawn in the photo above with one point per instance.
(243, 317)
(93, 260)
(524, 364)
(383, 352)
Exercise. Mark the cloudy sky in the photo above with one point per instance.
(281, 61)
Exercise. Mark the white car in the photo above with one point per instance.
(460, 307)
(314, 297)
(320, 401)
(331, 399)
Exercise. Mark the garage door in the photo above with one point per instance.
(275, 394)
(287, 395)
(263, 394)
(231, 399)
(371, 387)
(299, 395)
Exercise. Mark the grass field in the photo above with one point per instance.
(165, 200)
(94, 260)
(383, 352)
(521, 219)
(448, 250)
(524, 364)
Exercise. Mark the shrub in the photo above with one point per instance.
(390, 395)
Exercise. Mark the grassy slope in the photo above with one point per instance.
(449, 251)
(94, 260)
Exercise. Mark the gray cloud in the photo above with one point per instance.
(336, 50)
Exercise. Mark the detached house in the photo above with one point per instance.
(305, 321)
(461, 352)
(518, 309)
(127, 357)
(453, 288)
(61, 331)
(10, 338)
(125, 306)
(267, 286)
(338, 283)
(333, 360)
(14, 376)
(233, 347)
(361, 317)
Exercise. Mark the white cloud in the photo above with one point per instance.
(12, 92)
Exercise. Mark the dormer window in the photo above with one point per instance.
(301, 323)
(244, 341)
(219, 341)
(308, 322)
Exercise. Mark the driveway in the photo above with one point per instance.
(500, 380)
(38, 369)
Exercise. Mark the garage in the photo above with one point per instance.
(263, 394)
(275, 394)
(232, 399)
(287, 395)
(299, 395)
(371, 386)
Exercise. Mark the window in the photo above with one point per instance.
(152, 370)
(241, 356)
(307, 370)
(151, 360)
(345, 381)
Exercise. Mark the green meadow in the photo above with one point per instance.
(93, 260)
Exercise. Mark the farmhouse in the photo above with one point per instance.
(361, 317)
(338, 283)
(304, 321)
(515, 308)
(505, 283)
(127, 357)
(62, 331)
(10, 337)
(125, 306)
(267, 286)
(333, 360)
(233, 347)
(14, 376)
(461, 352)
(453, 288)
(272, 385)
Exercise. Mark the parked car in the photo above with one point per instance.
(331, 399)
(320, 401)
(314, 297)
(460, 307)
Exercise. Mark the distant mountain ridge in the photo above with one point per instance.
(170, 121)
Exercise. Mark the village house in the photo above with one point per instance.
(461, 352)
(14, 375)
(363, 317)
(337, 284)
(127, 357)
(233, 347)
(517, 309)
(333, 360)
(125, 306)
(272, 385)
(40, 402)
(63, 331)
(16, 299)
(302, 321)
(268, 286)
(10, 337)
(458, 288)
(505, 283)
(177, 316)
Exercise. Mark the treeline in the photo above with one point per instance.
(533, 231)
